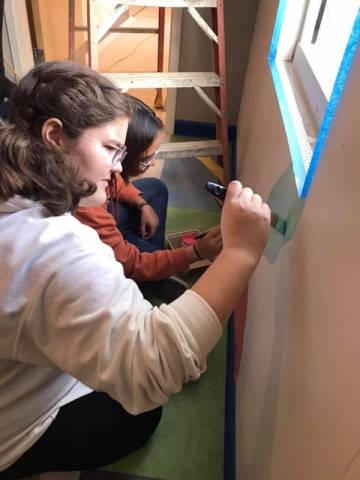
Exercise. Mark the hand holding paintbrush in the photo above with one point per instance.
(211, 246)
(220, 192)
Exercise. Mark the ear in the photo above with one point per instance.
(52, 133)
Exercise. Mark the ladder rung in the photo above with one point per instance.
(190, 149)
(164, 80)
(171, 3)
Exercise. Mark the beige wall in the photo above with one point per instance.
(298, 393)
(54, 28)
(196, 56)
(125, 52)
(195, 49)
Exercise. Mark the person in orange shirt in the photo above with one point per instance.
(133, 221)
(141, 215)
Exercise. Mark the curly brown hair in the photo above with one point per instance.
(78, 96)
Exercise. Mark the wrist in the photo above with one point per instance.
(140, 201)
(142, 204)
(191, 255)
(240, 256)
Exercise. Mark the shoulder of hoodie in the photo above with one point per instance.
(36, 221)
(72, 228)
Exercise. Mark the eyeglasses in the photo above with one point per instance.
(119, 155)
(120, 151)
(145, 161)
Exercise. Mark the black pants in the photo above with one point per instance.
(87, 433)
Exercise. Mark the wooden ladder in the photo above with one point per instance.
(217, 148)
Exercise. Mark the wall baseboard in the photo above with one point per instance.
(200, 129)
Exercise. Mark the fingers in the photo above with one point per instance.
(234, 190)
(211, 244)
(218, 244)
(148, 234)
(248, 197)
(213, 232)
(245, 197)
(213, 236)
(257, 200)
(266, 210)
(217, 237)
(149, 231)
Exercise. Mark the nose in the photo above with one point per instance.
(117, 168)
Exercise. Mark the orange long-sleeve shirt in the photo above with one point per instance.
(137, 265)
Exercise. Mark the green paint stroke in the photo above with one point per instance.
(283, 200)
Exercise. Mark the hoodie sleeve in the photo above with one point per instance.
(89, 320)
(125, 192)
(137, 265)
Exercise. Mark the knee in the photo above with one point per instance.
(160, 188)
(144, 425)
(132, 435)
(149, 424)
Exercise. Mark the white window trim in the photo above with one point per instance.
(305, 144)
(313, 91)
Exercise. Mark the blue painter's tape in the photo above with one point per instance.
(336, 93)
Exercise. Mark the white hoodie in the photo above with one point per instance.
(70, 323)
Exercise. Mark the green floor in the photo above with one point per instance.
(188, 444)
(189, 441)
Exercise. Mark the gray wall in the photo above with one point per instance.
(298, 393)
(196, 56)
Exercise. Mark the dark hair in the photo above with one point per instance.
(78, 96)
(142, 130)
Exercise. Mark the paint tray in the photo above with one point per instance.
(174, 241)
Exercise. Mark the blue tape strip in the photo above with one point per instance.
(337, 91)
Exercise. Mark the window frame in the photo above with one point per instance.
(306, 141)
(17, 29)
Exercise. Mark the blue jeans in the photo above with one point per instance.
(156, 193)
(128, 222)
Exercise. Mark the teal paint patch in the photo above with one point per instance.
(284, 200)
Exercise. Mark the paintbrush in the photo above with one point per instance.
(278, 223)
